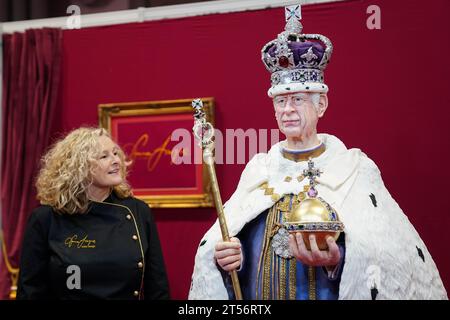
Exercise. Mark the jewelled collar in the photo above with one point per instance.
(303, 155)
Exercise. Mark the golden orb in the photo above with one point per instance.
(314, 216)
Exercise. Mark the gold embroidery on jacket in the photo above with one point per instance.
(83, 243)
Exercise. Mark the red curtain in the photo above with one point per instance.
(31, 80)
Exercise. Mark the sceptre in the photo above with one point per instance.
(204, 132)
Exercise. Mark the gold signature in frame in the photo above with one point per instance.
(153, 156)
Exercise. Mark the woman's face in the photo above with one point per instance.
(106, 169)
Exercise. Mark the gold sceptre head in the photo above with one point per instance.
(203, 131)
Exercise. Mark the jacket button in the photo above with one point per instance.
(140, 264)
(135, 237)
(129, 216)
(136, 293)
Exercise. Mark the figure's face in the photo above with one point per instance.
(297, 115)
(106, 171)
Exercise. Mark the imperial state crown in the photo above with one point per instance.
(296, 61)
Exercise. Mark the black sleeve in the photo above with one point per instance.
(33, 275)
(156, 286)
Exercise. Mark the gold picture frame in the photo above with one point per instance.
(115, 116)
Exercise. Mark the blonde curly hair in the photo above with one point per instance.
(66, 171)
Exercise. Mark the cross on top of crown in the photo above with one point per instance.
(293, 16)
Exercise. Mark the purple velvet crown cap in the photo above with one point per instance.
(299, 49)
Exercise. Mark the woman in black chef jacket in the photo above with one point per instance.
(90, 238)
